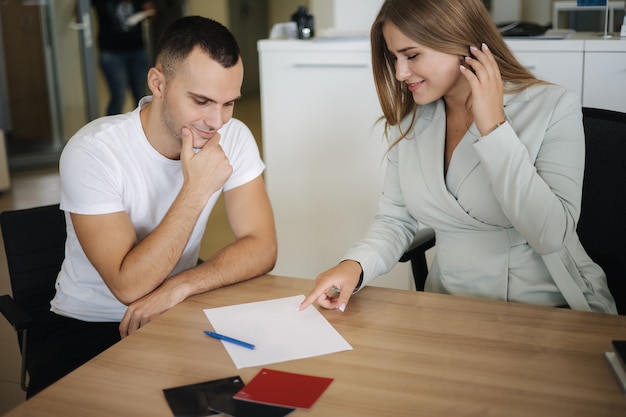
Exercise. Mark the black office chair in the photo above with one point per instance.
(416, 254)
(601, 227)
(34, 244)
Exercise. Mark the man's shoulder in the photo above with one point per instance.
(236, 134)
(105, 130)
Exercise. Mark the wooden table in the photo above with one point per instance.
(414, 354)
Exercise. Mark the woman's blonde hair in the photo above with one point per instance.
(448, 26)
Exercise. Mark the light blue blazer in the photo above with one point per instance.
(504, 215)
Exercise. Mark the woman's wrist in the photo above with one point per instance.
(360, 271)
(497, 125)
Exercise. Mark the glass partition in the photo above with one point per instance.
(30, 99)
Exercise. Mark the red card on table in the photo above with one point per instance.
(284, 388)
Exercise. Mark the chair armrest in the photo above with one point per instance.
(14, 314)
(424, 240)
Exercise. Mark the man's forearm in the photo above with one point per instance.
(243, 259)
(150, 261)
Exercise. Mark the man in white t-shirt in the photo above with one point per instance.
(137, 190)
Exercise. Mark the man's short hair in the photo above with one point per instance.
(186, 33)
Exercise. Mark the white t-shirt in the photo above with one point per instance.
(109, 166)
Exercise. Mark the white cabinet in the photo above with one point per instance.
(605, 74)
(556, 61)
(592, 67)
(324, 151)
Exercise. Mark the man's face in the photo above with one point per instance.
(200, 96)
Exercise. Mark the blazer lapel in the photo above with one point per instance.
(428, 144)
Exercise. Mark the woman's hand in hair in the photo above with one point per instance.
(487, 89)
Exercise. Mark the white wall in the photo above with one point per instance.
(506, 10)
(538, 11)
(349, 15)
(359, 14)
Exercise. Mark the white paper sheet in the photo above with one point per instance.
(278, 331)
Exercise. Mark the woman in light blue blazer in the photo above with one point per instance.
(481, 151)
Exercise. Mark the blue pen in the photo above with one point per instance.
(229, 339)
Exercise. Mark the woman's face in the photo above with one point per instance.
(429, 74)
